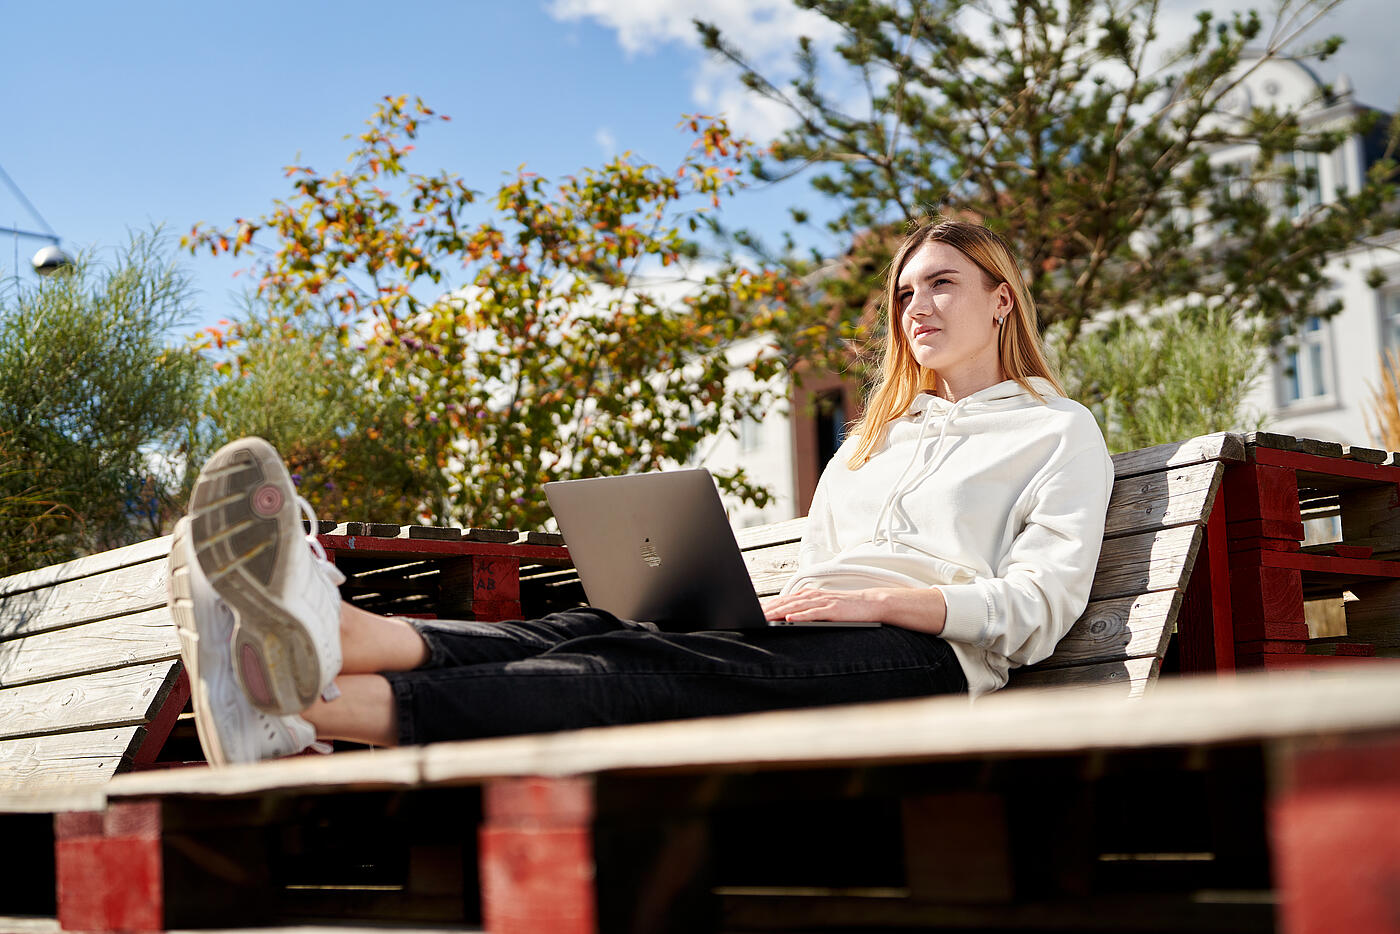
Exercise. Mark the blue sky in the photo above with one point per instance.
(120, 116)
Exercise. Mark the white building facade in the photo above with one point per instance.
(1318, 385)
(1321, 383)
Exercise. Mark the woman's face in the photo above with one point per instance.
(948, 315)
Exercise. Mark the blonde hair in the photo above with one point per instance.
(901, 377)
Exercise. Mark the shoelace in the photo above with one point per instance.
(327, 570)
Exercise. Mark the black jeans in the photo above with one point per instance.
(586, 667)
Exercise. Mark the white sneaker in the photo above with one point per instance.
(246, 527)
(230, 729)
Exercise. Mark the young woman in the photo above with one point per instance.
(965, 512)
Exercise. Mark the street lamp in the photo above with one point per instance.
(50, 259)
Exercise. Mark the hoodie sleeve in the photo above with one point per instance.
(1042, 582)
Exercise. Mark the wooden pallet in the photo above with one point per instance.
(1308, 605)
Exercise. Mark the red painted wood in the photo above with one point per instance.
(1334, 822)
(566, 801)
(108, 868)
(398, 547)
(158, 730)
(1264, 594)
(1246, 543)
(1331, 466)
(1267, 528)
(536, 856)
(1205, 633)
(1352, 551)
(1256, 630)
(495, 578)
(1257, 492)
(1217, 558)
(1329, 564)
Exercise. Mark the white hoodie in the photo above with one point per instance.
(998, 500)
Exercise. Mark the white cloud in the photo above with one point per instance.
(606, 141)
(765, 31)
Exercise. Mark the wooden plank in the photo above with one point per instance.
(1221, 446)
(86, 567)
(1325, 564)
(1332, 822)
(1374, 616)
(1127, 678)
(405, 548)
(1266, 439)
(1371, 515)
(1320, 448)
(52, 764)
(147, 636)
(1365, 455)
(1188, 711)
(770, 567)
(1146, 562)
(1328, 466)
(120, 697)
(1173, 497)
(1129, 565)
(1117, 629)
(126, 590)
(775, 533)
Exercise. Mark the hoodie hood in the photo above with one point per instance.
(994, 397)
(933, 412)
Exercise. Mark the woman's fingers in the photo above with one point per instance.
(817, 605)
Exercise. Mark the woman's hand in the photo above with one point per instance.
(921, 609)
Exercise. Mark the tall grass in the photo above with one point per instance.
(1385, 404)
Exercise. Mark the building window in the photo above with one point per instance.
(831, 425)
(1303, 367)
(1390, 319)
(1306, 187)
(750, 435)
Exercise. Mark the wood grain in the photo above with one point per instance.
(1221, 446)
(1190, 712)
(53, 763)
(1118, 629)
(1124, 679)
(126, 590)
(120, 697)
(146, 636)
(789, 531)
(86, 567)
(1159, 500)
(1148, 561)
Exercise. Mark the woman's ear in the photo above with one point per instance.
(1005, 300)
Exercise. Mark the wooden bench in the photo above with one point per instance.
(90, 677)
(1156, 526)
(1163, 517)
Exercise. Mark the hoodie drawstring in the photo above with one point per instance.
(883, 517)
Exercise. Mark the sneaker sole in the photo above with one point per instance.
(244, 515)
(181, 603)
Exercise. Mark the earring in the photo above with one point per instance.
(1000, 319)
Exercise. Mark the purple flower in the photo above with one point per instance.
(296, 479)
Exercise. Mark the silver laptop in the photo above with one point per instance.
(657, 547)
